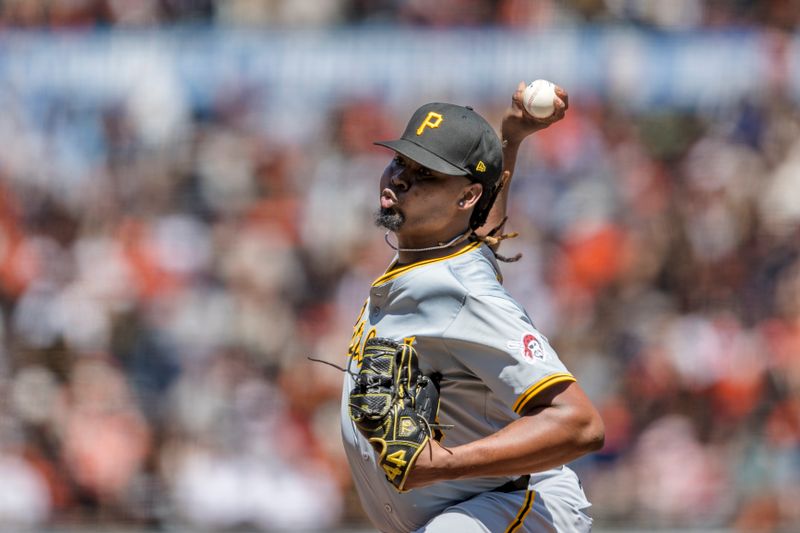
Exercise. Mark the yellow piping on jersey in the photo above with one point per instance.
(523, 512)
(393, 273)
(538, 387)
(361, 313)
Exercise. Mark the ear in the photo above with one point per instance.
(504, 179)
(470, 196)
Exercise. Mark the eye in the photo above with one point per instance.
(399, 161)
(425, 172)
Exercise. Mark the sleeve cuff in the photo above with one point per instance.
(544, 383)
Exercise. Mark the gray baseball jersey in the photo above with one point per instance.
(493, 362)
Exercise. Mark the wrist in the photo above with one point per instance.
(430, 467)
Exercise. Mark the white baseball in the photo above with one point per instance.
(539, 98)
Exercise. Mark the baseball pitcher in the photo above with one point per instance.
(457, 414)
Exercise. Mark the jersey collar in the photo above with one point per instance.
(393, 273)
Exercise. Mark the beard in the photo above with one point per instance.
(389, 219)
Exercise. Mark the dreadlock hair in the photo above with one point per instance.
(478, 219)
(493, 240)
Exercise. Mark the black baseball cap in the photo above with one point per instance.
(453, 140)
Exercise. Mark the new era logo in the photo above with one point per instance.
(480, 167)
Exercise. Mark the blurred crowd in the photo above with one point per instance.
(161, 291)
(675, 14)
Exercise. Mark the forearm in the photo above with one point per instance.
(515, 127)
(545, 438)
(499, 209)
(517, 449)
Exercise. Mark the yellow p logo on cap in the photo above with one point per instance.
(431, 121)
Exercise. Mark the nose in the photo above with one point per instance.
(399, 179)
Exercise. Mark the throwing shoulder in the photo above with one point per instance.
(478, 273)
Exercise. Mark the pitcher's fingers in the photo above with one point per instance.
(562, 94)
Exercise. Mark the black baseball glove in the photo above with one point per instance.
(394, 406)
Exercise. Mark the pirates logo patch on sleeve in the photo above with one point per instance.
(529, 347)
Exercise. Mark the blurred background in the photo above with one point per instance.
(186, 198)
